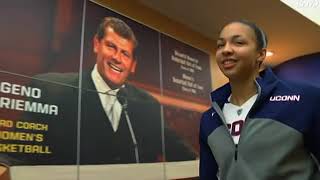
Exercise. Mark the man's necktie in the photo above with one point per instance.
(114, 113)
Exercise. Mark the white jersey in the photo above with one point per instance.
(236, 115)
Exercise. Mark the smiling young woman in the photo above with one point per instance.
(247, 134)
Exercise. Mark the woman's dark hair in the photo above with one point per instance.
(261, 37)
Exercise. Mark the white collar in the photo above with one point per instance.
(100, 84)
(107, 98)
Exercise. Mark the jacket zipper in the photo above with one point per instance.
(246, 122)
(224, 122)
(236, 153)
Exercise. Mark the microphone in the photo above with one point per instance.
(122, 97)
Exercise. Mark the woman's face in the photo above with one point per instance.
(237, 54)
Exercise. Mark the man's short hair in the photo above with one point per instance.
(119, 26)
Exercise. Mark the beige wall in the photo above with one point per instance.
(153, 19)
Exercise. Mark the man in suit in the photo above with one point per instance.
(117, 122)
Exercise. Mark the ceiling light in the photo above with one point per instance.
(269, 53)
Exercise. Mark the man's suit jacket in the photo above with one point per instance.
(99, 144)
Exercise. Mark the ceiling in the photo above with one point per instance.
(290, 34)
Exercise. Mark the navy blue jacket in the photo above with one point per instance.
(280, 138)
